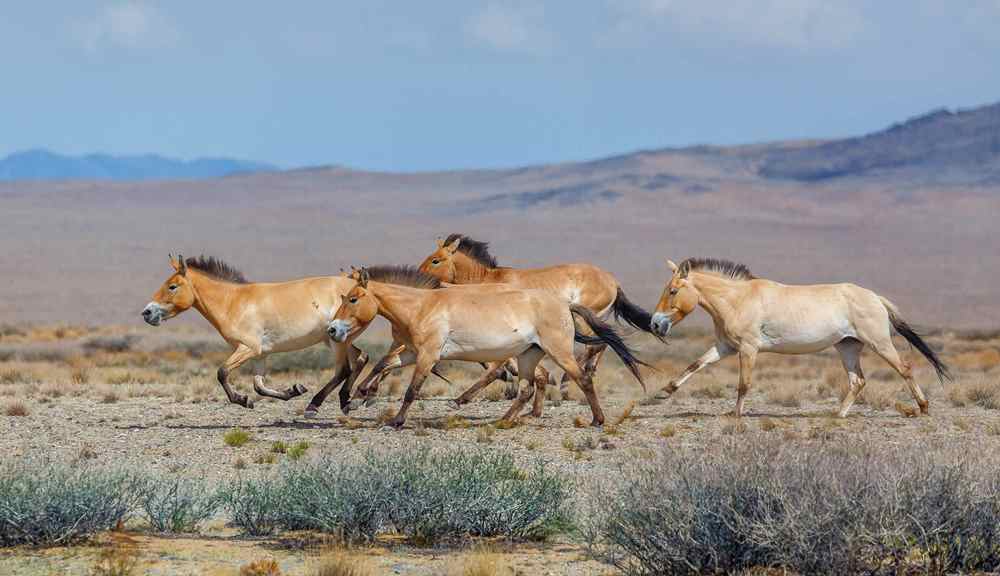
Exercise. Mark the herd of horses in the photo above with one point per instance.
(460, 305)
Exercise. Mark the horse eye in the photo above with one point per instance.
(172, 287)
(435, 261)
(673, 291)
(353, 300)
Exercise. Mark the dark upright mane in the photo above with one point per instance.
(478, 251)
(216, 268)
(402, 275)
(726, 268)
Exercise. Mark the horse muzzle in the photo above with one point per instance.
(338, 330)
(660, 324)
(153, 314)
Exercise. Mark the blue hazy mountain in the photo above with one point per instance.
(47, 165)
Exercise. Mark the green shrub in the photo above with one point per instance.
(179, 504)
(236, 438)
(45, 503)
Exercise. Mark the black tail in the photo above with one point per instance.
(606, 334)
(911, 335)
(631, 313)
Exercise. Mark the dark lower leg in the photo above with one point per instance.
(515, 408)
(234, 397)
(411, 394)
(587, 385)
(287, 394)
(541, 381)
(495, 369)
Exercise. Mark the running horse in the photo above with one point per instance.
(258, 319)
(753, 315)
(459, 259)
(488, 324)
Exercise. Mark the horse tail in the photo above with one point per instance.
(913, 337)
(631, 312)
(606, 334)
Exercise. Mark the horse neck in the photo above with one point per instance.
(212, 298)
(398, 304)
(471, 271)
(718, 295)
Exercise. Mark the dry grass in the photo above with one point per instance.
(495, 392)
(484, 434)
(768, 424)
(261, 567)
(668, 431)
(117, 560)
(341, 562)
(387, 414)
(482, 562)
(15, 408)
(786, 393)
(980, 391)
(236, 438)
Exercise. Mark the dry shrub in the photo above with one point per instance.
(711, 389)
(117, 560)
(114, 344)
(80, 375)
(482, 562)
(435, 389)
(16, 376)
(982, 360)
(877, 397)
(484, 435)
(261, 567)
(16, 408)
(832, 385)
(767, 424)
(236, 438)
(496, 391)
(981, 392)
(668, 431)
(341, 562)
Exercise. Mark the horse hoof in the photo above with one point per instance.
(311, 412)
(353, 405)
(246, 402)
(597, 425)
(299, 389)
(370, 401)
(454, 405)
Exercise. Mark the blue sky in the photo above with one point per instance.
(458, 84)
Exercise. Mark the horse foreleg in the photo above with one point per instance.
(493, 372)
(235, 360)
(423, 368)
(368, 389)
(341, 372)
(526, 364)
(713, 355)
(260, 372)
(748, 357)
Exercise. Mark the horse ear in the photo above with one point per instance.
(440, 242)
(363, 278)
(183, 267)
(671, 265)
(454, 245)
(172, 263)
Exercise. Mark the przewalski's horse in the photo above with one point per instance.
(462, 260)
(478, 325)
(754, 315)
(259, 319)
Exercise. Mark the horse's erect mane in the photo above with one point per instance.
(217, 269)
(402, 275)
(478, 251)
(726, 268)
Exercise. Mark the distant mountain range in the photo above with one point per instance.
(47, 165)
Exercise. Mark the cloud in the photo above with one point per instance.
(800, 24)
(130, 24)
(508, 29)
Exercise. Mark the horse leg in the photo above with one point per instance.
(241, 354)
(526, 364)
(357, 361)
(711, 356)
(260, 372)
(424, 364)
(341, 372)
(748, 357)
(850, 356)
(542, 379)
(565, 360)
(887, 351)
(368, 390)
(588, 360)
(510, 374)
(494, 369)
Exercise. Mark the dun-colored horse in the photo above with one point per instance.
(474, 325)
(459, 259)
(754, 315)
(259, 319)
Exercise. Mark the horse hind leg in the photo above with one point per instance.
(888, 352)
(589, 360)
(493, 371)
(850, 356)
(260, 373)
(526, 364)
(240, 355)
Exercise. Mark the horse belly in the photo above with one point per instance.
(803, 338)
(482, 347)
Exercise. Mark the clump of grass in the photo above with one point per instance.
(278, 447)
(298, 450)
(849, 508)
(15, 376)
(342, 563)
(484, 434)
(236, 438)
(179, 505)
(767, 424)
(261, 567)
(482, 562)
(423, 494)
(785, 394)
(16, 408)
(240, 463)
(80, 375)
(46, 503)
(266, 458)
(452, 422)
(668, 431)
(117, 560)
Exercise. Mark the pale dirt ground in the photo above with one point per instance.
(157, 407)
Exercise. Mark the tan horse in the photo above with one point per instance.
(259, 319)
(462, 260)
(754, 315)
(473, 325)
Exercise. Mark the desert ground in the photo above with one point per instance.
(148, 398)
